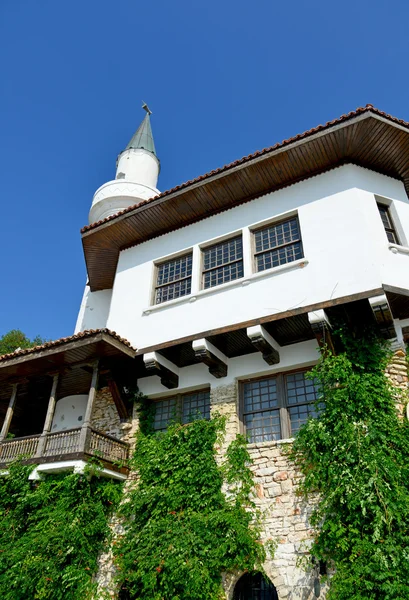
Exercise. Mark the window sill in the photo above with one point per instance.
(243, 281)
(269, 443)
(397, 249)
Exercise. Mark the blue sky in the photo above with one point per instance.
(223, 79)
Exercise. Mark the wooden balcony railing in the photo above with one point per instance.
(64, 445)
(24, 446)
(63, 442)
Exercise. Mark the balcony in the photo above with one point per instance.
(48, 391)
(66, 445)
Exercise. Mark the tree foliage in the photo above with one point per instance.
(14, 339)
(181, 530)
(52, 534)
(356, 457)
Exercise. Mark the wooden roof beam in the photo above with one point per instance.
(158, 365)
(264, 343)
(208, 354)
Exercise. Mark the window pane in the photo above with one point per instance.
(299, 415)
(173, 270)
(175, 277)
(300, 389)
(223, 274)
(165, 412)
(174, 290)
(260, 395)
(281, 256)
(388, 224)
(223, 253)
(301, 396)
(383, 211)
(196, 406)
(223, 262)
(277, 235)
(263, 426)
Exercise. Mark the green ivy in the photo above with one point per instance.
(182, 531)
(356, 457)
(52, 533)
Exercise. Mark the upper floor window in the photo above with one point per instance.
(182, 408)
(276, 408)
(278, 244)
(388, 223)
(223, 262)
(173, 278)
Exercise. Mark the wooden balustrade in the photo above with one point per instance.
(107, 447)
(24, 447)
(64, 444)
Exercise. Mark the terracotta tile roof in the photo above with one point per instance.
(55, 343)
(360, 110)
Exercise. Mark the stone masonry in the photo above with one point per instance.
(284, 515)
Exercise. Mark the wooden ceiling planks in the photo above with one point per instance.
(369, 140)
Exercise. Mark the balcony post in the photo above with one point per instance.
(85, 429)
(9, 413)
(49, 416)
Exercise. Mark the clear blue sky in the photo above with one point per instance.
(223, 77)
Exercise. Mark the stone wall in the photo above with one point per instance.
(284, 516)
(397, 373)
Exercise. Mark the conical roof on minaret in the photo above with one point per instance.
(143, 137)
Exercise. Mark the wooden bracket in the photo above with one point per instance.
(321, 328)
(264, 343)
(206, 353)
(383, 316)
(159, 365)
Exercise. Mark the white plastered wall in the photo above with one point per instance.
(345, 248)
(94, 310)
(69, 412)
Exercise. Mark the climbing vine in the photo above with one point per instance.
(52, 533)
(182, 531)
(356, 457)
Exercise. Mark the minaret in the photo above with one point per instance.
(136, 175)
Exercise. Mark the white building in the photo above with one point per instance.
(218, 291)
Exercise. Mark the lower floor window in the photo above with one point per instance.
(276, 407)
(182, 408)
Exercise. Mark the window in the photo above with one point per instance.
(184, 408)
(276, 408)
(388, 223)
(173, 278)
(278, 244)
(222, 262)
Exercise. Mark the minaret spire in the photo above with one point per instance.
(136, 174)
(143, 138)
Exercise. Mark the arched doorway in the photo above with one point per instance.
(124, 593)
(254, 586)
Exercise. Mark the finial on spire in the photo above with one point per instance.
(146, 107)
